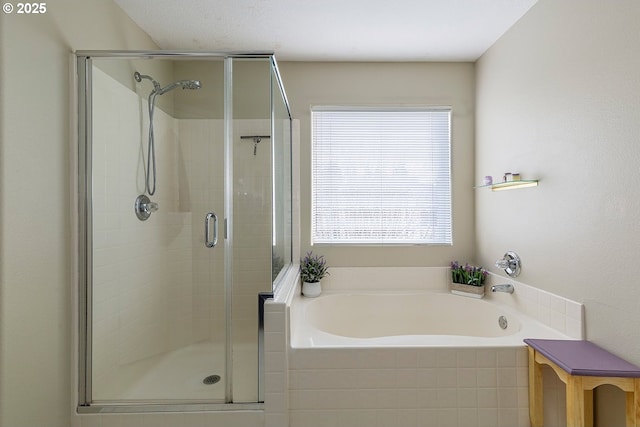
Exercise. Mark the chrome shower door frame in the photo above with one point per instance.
(83, 74)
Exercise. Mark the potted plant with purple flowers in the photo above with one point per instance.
(312, 269)
(467, 280)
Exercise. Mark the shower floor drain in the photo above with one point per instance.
(211, 379)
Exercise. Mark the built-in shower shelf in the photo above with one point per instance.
(510, 185)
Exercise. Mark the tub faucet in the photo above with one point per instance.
(508, 288)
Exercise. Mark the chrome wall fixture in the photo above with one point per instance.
(150, 175)
(506, 288)
(144, 207)
(256, 140)
(510, 263)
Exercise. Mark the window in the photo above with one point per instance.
(381, 175)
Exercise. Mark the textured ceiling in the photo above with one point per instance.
(331, 30)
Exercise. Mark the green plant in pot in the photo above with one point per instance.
(312, 269)
(467, 280)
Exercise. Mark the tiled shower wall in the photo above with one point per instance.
(252, 240)
(201, 147)
(143, 292)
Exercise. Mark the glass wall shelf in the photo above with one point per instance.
(510, 185)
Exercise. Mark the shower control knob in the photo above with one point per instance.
(502, 263)
(144, 207)
(510, 263)
(150, 207)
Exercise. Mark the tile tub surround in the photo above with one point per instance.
(424, 386)
(405, 387)
(562, 314)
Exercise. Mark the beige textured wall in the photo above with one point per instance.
(437, 84)
(36, 247)
(558, 98)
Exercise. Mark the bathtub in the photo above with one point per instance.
(411, 318)
(419, 355)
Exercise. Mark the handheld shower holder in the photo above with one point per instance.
(150, 172)
(510, 263)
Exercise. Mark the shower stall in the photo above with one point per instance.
(184, 226)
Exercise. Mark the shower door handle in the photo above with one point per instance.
(210, 243)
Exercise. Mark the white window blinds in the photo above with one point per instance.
(381, 176)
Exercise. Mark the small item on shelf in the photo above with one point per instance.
(488, 180)
(515, 176)
(507, 177)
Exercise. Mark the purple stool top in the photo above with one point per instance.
(584, 358)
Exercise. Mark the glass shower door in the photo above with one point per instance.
(252, 215)
(157, 301)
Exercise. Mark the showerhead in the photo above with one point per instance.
(190, 84)
(184, 84)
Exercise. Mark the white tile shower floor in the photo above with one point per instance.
(179, 375)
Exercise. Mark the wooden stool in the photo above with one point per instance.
(582, 366)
